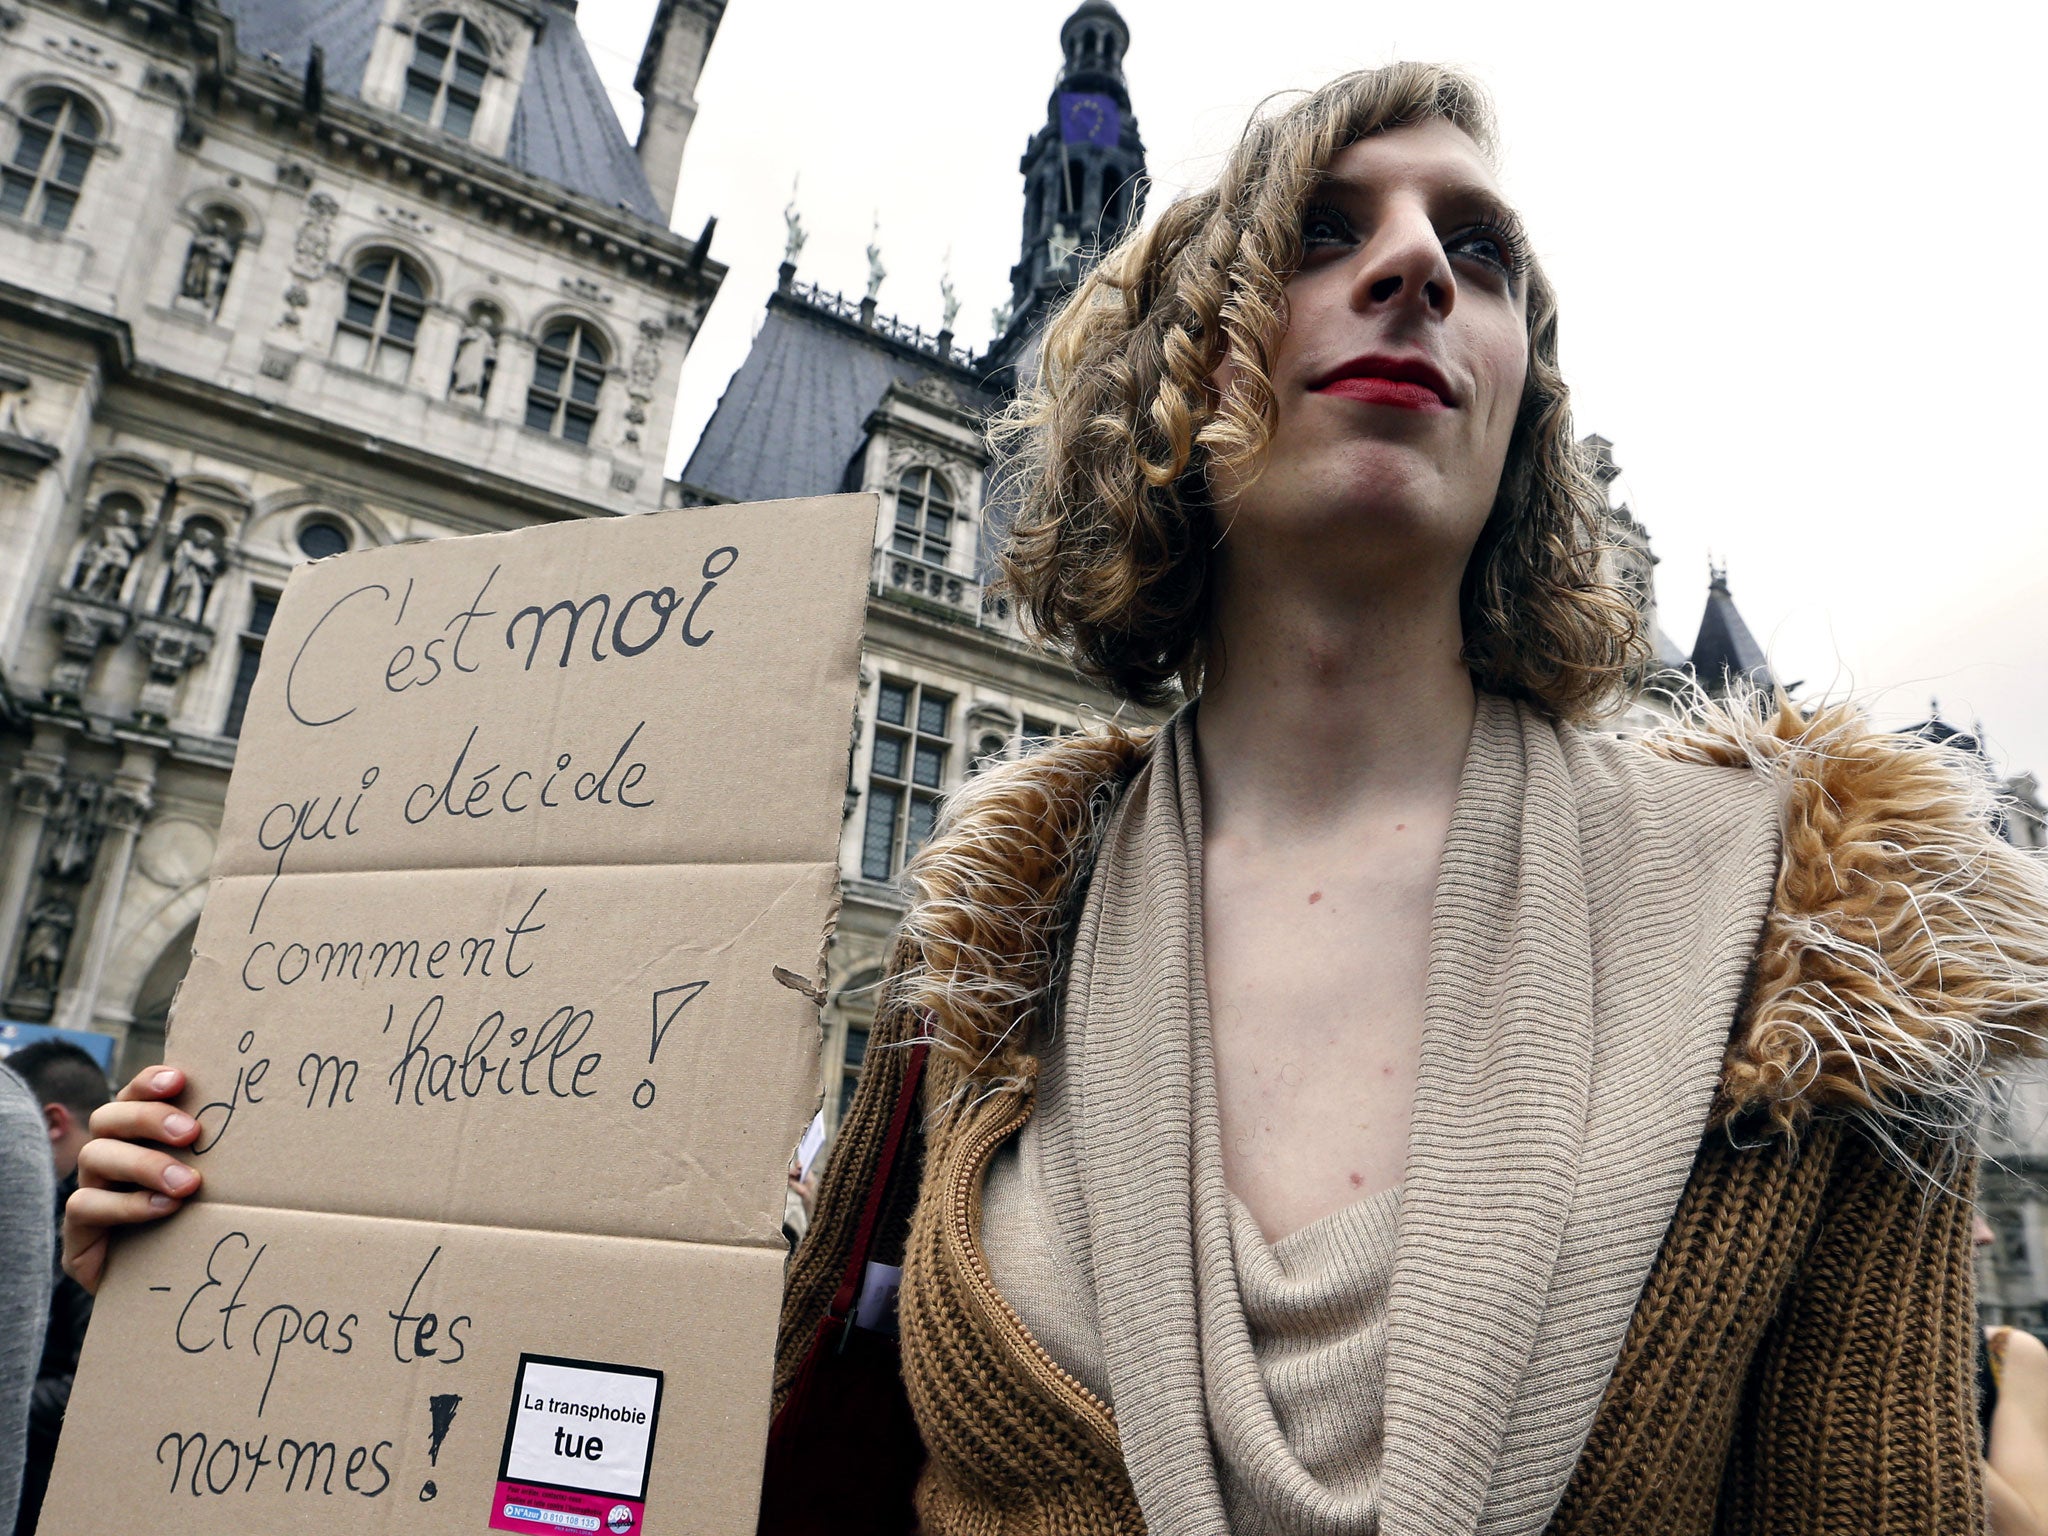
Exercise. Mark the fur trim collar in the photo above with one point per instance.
(1905, 958)
(1904, 961)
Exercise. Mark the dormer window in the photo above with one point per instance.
(924, 516)
(568, 378)
(444, 84)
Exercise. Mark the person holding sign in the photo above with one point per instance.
(1381, 1099)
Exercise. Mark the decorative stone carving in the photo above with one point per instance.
(406, 219)
(641, 373)
(37, 791)
(646, 365)
(86, 626)
(310, 247)
(584, 289)
(624, 480)
(175, 852)
(277, 364)
(76, 50)
(44, 945)
(293, 176)
(210, 260)
(24, 453)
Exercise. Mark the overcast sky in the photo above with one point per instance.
(1795, 253)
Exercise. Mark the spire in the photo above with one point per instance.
(1084, 173)
(677, 42)
(1726, 654)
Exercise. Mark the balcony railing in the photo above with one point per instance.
(960, 596)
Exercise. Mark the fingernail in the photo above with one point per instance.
(178, 1178)
(164, 1081)
(161, 1202)
(177, 1125)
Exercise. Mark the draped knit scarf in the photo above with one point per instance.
(1592, 926)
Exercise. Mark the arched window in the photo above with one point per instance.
(924, 516)
(380, 321)
(568, 373)
(445, 81)
(53, 145)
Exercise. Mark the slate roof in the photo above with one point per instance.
(794, 414)
(563, 129)
(1725, 651)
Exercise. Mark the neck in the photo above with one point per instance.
(1327, 705)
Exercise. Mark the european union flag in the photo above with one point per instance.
(1089, 117)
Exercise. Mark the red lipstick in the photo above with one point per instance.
(1409, 397)
(1407, 383)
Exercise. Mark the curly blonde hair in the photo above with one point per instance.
(1111, 543)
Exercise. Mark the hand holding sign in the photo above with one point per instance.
(521, 832)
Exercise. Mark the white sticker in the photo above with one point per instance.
(580, 1434)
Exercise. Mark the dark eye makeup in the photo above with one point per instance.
(1497, 242)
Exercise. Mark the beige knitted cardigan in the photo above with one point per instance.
(1797, 1358)
(1594, 916)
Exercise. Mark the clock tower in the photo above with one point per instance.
(1084, 175)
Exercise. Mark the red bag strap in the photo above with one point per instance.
(843, 1300)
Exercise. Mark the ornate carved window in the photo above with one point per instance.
(905, 774)
(444, 83)
(53, 145)
(924, 516)
(380, 319)
(568, 376)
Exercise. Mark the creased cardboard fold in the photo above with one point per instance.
(496, 1076)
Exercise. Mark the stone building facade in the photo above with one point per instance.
(837, 396)
(281, 278)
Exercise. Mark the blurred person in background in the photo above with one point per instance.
(68, 1086)
(27, 1244)
(2012, 1402)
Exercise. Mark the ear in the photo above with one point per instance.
(59, 1121)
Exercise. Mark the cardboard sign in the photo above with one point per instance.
(497, 1080)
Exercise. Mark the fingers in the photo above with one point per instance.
(95, 1209)
(152, 1083)
(152, 1183)
(88, 1216)
(133, 1121)
(106, 1161)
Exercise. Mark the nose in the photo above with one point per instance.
(1403, 266)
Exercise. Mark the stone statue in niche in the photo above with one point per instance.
(44, 945)
(14, 394)
(75, 837)
(103, 566)
(476, 358)
(196, 562)
(210, 259)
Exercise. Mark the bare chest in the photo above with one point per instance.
(1316, 963)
